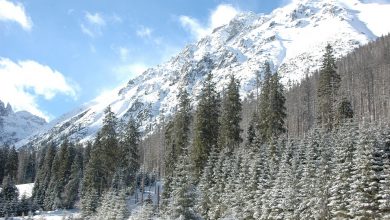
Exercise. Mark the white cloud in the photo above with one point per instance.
(87, 31)
(95, 19)
(15, 12)
(94, 22)
(222, 15)
(22, 83)
(144, 32)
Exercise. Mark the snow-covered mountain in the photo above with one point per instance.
(14, 126)
(291, 38)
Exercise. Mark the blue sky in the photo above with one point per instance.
(57, 55)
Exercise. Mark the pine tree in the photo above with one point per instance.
(182, 121)
(182, 205)
(272, 110)
(206, 124)
(11, 164)
(130, 151)
(344, 111)
(264, 106)
(8, 197)
(104, 157)
(364, 187)
(230, 133)
(384, 193)
(328, 85)
(89, 203)
(113, 206)
(71, 189)
(111, 154)
(42, 180)
(277, 107)
(205, 184)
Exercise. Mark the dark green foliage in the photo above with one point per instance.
(182, 204)
(182, 121)
(89, 202)
(264, 106)
(272, 110)
(206, 124)
(26, 166)
(43, 176)
(104, 157)
(344, 111)
(11, 164)
(130, 152)
(113, 206)
(71, 189)
(3, 158)
(328, 86)
(277, 106)
(8, 197)
(230, 130)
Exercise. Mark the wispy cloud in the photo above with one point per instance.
(95, 19)
(15, 12)
(23, 82)
(222, 15)
(93, 24)
(144, 32)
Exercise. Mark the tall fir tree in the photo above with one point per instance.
(182, 121)
(130, 151)
(328, 86)
(182, 205)
(71, 189)
(42, 180)
(230, 130)
(11, 164)
(264, 106)
(277, 106)
(206, 124)
(272, 110)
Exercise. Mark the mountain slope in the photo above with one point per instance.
(291, 38)
(14, 126)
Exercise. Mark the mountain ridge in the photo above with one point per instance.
(291, 38)
(14, 126)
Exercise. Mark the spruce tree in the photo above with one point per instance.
(344, 111)
(71, 189)
(277, 102)
(130, 151)
(328, 86)
(182, 121)
(113, 206)
(111, 154)
(206, 124)
(11, 164)
(8, 197)
(182, 205)
(42, 180)
(264, 106)
(230, 131)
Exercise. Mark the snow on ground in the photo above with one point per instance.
(53, 215)
(134, 201)
(25, 189)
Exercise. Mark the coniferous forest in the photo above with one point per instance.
(319, 149)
